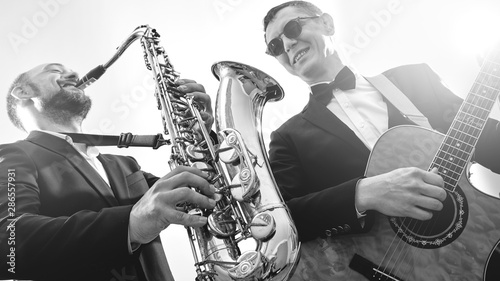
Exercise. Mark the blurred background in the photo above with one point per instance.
(375, 35)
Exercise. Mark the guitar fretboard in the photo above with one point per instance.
(458, 145)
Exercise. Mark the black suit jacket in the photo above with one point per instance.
(317, 160)
(70, 224)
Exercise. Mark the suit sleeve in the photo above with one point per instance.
(314, 213)
(41, 246)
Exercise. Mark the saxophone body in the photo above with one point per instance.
(274, 248)
(250, 235)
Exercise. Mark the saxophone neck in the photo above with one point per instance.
(99, 70)
(136, 34)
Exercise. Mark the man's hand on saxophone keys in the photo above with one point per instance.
(191, 88)
(157, 209)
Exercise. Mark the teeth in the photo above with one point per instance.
(299, 55)
(67, 84)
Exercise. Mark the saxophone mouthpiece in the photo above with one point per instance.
(90, 77)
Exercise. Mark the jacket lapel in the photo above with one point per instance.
(116, 178)
(63, 148)
(321, 116)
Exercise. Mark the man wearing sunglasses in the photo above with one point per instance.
(319, 156)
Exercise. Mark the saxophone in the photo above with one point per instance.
(250, 234)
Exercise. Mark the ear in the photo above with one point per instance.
(327, 21)
(21, 94)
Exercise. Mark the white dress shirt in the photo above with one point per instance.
(362, 109)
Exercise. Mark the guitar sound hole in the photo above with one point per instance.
(443, 228)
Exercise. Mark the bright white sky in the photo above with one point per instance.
(377, 35)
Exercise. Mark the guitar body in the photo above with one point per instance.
(456, 244)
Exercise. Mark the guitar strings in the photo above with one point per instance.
(404, 252)
(428, 228)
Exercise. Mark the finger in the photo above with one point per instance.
(202, 99)
(187, 195)
(194, 181)
(215, 196)
(184, 81)
(182, 169)
(191, 88)
(432, 177)
(433, 191)
(207, 118)
(188, 220)
(434, 187)
(208, 191)
(194, 178)
(421, 214)
(429, 203)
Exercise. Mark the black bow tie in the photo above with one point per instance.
(345, 80)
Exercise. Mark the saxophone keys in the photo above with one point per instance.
(251, 263)
(244, 185)
(221, 225)
(227, 153)
(263, 226)
(205, 168)
(194, 153)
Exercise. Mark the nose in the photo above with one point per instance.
(70, 75)
(288, 43)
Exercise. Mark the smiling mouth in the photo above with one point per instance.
(299, 55)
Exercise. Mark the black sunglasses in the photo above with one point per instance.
(291, 30)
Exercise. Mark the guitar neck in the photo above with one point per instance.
(458, 145)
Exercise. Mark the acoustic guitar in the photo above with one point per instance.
(460, 242)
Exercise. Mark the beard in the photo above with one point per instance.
(66, 106)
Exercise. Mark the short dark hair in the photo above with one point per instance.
(12, 102)
(309, 8)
